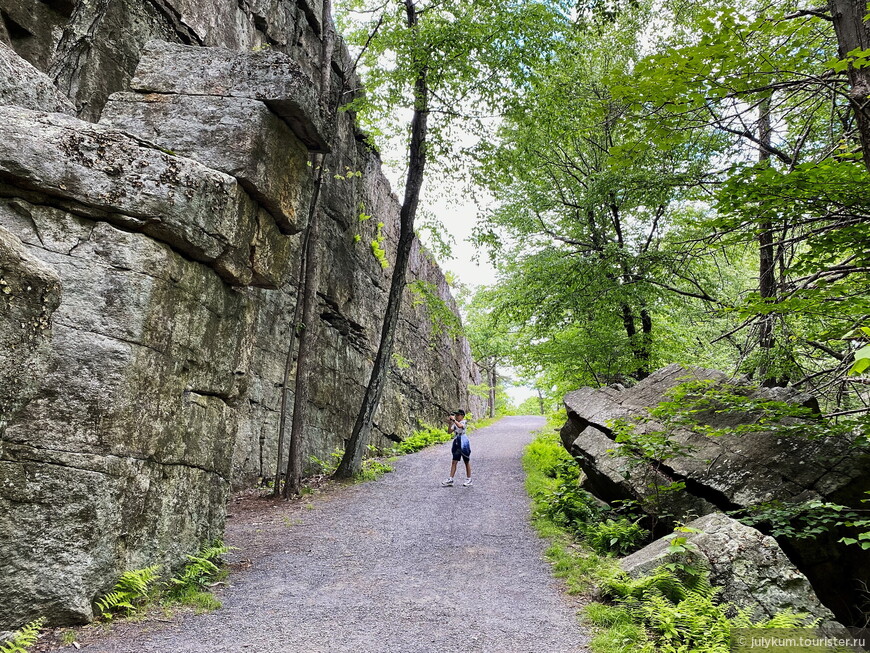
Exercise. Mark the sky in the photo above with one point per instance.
(458, 214)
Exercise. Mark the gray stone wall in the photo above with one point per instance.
(147, 271)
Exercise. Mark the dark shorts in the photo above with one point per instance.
(456, 450)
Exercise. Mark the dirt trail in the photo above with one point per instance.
(396, 565)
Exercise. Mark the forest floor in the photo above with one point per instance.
(399, 564)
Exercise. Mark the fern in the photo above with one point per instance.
(200, 570)
(22, 639)
(683, 611)
(129, 592)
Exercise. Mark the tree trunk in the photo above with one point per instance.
(293, 482)
(766, 254)
(638, 342)
(307, 294)
(853, 33)
(288, 365)
(351, 462)
(492, 381)
(540, 400)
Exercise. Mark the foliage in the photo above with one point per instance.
(423, 438)
(372, 469)
(809, 519)
(22, 639)
(683, 612)
(327, 465)
(377, 247)
(129, 594)
(189, 586)
(619, 536)
(559, 498)
(442, 318)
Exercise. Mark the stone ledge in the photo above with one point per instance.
(267, 75)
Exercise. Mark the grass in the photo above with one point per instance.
(581, 568)
(674, 609)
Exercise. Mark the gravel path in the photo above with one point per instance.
(396, 565)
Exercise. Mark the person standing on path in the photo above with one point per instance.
(461, 448)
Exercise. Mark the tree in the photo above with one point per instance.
(583, 229)
(774, 83)
(304, 319)
(446, 52)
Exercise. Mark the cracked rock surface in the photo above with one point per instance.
(398, 564)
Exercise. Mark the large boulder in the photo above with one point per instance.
(744, 464)
(750, 567)
(726, 471)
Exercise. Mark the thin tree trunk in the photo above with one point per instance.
(351, 462)
(293, 481)
(637, 342)
(293, 484)
(853, 33)
(492, 381)
(540, 400)
(766, 254)
(307, 296)
(288, 365)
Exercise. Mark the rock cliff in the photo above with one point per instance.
(154, 182)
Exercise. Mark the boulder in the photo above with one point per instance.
(266, 75)
(726, 471)
(729, 471)
(202, 213)
(750, 567)
(23, 85)
(238, 136)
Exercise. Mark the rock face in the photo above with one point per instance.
(751, 569)
(147, 285)
(725, 472)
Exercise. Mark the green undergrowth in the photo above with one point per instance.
(137, 591)
(21, 640)
(673, 610)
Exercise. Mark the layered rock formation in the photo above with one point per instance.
(147, 271)
(751, 569)
(732, 470)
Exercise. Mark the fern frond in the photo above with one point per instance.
(132, 587)
(24, 638)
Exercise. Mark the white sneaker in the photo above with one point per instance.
(447, 483)
(467, 483)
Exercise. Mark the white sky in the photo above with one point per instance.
(458, 213)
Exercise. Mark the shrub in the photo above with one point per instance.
(619, 536)
(423, 438)
(683, 613)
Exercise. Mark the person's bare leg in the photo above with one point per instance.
(467, 468)
(453, 468)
